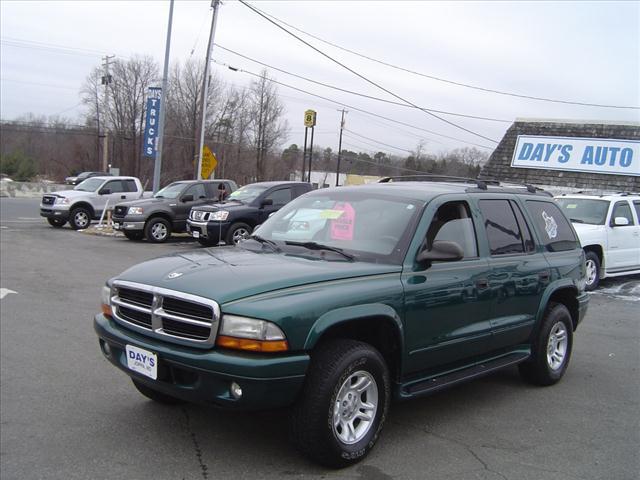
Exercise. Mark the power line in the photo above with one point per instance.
(377, 141)
(452, 82)
(342, 104)
(243, 2)
(361, 94)
(57, 48)
(377, 164)
(38, 84)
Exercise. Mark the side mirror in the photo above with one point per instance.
(268, 201)
(441, 252)
(104, 191)
(620, 222)
(187, 198)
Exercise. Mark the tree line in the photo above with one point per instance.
(245, 127)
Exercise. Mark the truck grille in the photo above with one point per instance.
(199, 216)
(120, 211)
(48, 200)
(166, 314)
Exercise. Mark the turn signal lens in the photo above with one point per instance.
(265, 346)
(106, 301)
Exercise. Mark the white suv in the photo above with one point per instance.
(608, 226)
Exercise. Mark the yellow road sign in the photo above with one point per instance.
(209, 162)
(310, 118)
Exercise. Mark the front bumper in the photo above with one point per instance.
(54, 211)
(205, 376)
(210, 230)
(122, 223)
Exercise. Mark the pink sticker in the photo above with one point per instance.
(342, 228)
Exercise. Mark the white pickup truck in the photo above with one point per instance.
(88, 200)
(608, 227)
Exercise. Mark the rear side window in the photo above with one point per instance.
(554, 228)
(502, 227)
(130, 185)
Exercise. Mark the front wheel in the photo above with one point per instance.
(56, 222)
(238, 231)
(340, 414)
(80, 218)
(551, 349)
(158, 230)
(593, 271)
(155, 395)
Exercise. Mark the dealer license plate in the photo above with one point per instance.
(142, 361)
(195, 234)
(116, 226)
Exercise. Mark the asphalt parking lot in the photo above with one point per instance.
(66, 413)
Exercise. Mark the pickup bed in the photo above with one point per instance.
(88, 200)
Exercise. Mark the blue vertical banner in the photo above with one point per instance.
(150, 144)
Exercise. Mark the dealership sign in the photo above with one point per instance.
(574, 154)
(152, 118)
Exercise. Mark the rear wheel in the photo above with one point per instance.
(340, 414)
(134, 235)
(551, 349)
(593, 270)
(80, 218)
(56, 222)
(158, 230)
(237, 232)
(155, 395)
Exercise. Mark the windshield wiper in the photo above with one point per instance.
(320, 246)
(576, 220)
(266, 241)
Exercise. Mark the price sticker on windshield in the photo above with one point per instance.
(342, 227)
(331, 214)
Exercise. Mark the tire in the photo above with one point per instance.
(56, 222)
(237, 232)
(79, 218)
(134, 235)
(551, 349)
(156, 396)
(319, 420)
(593, 271)
(207, 242)
(157, 230)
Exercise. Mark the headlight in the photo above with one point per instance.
(106, 300)
(219, 216)
(135, 210)
(242, 333)
(62, 201)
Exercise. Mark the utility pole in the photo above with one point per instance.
(205, 87)
(106, 81)
(340, 145)
(163, 105)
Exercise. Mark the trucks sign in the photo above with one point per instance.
(574, 154)
(149, 146)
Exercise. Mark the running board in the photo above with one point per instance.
(434, 384)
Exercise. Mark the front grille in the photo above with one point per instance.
(48, 200)
(199, 216)
(119, 211)
(167, 314)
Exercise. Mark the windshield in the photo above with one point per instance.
(583, 210)
(247, 194)
(369, 227)
(89, 185)
(170, 191)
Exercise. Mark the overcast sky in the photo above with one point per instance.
(585, 52)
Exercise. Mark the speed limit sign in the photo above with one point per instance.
(310, 118)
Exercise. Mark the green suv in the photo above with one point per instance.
(349, 297)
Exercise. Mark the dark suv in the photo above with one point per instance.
(155, 218)
(349, 297)
(235, 218)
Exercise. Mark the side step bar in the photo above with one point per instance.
(434, 384)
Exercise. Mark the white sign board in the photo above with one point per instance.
(574, 154)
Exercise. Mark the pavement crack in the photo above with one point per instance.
(204, 469)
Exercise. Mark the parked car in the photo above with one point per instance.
(235, 218)
(405, 289)
(156, 218)
(88, 200)
(81, 177)
(608, 226)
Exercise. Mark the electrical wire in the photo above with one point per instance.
(360, 94)
(452, 82)
(460, 127)
(377, 141)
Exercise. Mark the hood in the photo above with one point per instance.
(70, 193)
(589, 233)
(225, 274)
(147, 202)
(230, 205)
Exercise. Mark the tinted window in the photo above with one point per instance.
(452, 223)
(636, 204)
(115, 186)
(554, 229)
(197, 191)
(130, 185)
(280, 197)
(529, 246)
(622, 209)
(502, 228)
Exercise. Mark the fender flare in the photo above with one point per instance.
(560, 284)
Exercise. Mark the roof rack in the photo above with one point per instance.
(481, 184)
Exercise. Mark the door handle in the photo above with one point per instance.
(482, 283)
(123, 197)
